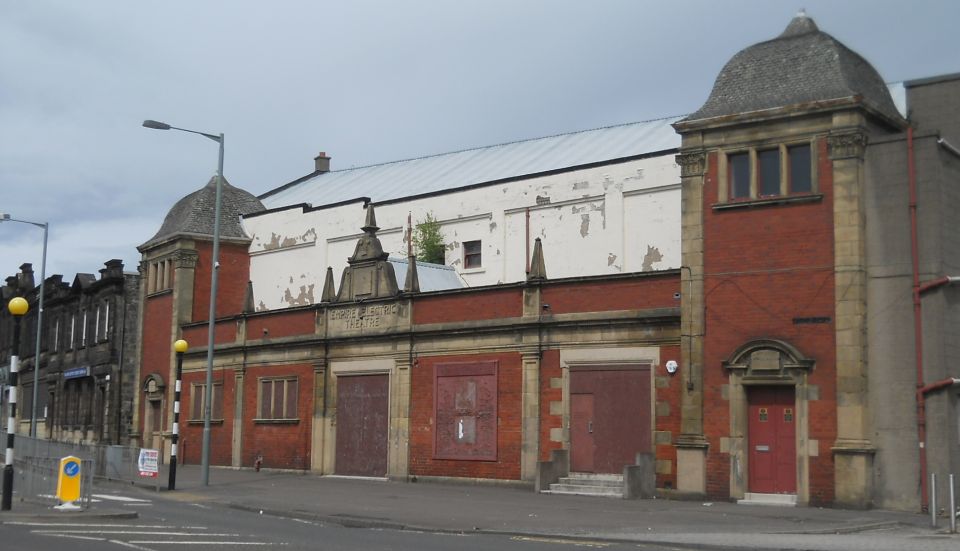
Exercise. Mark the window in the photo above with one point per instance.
(764, 173)
(106, 320)
(739, 175)
(96, 327)
(278, 399)
(198, 397)
(471, 254)
(768, 172)
(83, 330)
(73, 331)
(158, 276)
(801, 178)
(56, 335)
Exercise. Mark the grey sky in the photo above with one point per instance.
(366, 82)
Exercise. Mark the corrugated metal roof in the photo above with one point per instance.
(411, 177)
(432, 277)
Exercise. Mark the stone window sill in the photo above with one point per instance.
(769, 201)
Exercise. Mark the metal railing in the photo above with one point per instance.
(37, 461)
(36, 480)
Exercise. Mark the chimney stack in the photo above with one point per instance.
(113, 268)
(321, 163)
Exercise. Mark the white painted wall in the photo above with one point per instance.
(616, 218)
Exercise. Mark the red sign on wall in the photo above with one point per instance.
(465, 409)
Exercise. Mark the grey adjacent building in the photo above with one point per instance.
(88, 357)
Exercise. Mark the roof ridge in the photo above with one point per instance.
(478, 148)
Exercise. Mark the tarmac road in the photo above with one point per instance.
(163, 525)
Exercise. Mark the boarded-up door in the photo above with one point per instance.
(620, 424)
(582, 446)
(362, 422)
(772, 441)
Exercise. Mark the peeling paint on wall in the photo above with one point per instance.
(581, 185)
(584, 225)
(493, 227)
(261, 307)
(278, 241)
(543, 199)
(304, 298)
(653, 255)
(611, 258)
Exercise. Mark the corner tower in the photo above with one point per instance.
(176, 266)
(774, 285)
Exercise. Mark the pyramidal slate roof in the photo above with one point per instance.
(802, 65)
(194, 214)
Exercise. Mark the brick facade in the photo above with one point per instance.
(768, 269)
(422, 421)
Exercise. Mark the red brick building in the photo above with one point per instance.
(799, 355)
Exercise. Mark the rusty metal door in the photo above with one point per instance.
(362, 423)
(621, 418)
(772, 440)
(582, 446)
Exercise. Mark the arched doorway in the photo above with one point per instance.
(769, 397)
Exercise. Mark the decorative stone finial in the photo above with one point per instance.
(412, 283)
(538, 269)
(328, 295)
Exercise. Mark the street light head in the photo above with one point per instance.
(180, 346)
(18, 306)
(156, 125)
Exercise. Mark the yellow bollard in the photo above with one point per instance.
(68, 482)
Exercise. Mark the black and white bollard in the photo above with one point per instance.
(179, 347)
(18, 307)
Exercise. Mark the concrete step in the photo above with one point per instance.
(776, 500)
(609, 482)
(584, 490)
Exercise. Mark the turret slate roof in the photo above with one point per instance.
(193, 215)
(802, 65)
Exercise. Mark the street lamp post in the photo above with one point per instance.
(179, 347)
(36, 356)
(18, 307)
(208, 390)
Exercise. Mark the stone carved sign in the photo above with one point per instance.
(373, 316)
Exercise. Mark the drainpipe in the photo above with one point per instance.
(527, 226)
(917, 319)
(918, 290)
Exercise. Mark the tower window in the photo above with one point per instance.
(739, 175)
(768, 172)
(780, 170)
(801, 170)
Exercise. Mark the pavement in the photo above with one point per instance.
(482, 508)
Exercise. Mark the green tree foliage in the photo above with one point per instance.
(428, 240)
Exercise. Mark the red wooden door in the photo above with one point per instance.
(362, 423)
(582, 445)
(772, 441)
(620, 424)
